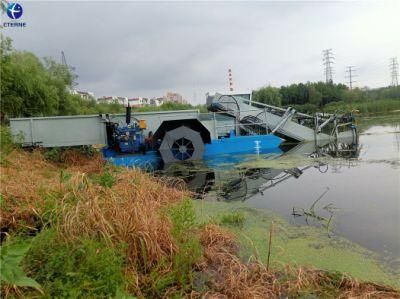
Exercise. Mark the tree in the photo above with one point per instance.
(268, 95)
(25, 88)
(315, 97)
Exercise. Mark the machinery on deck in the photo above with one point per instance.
(126, 138)
(235, 125)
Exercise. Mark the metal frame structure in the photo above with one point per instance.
(230, 112)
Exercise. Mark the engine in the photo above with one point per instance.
(127, 138)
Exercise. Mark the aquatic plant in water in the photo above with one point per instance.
(311, 213)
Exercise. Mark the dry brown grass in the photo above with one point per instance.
(24, 178)
(129, 213)
(229, 276)
(75, 160)
(27, 178)
(126, 213)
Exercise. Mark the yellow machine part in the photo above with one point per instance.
(142, 124)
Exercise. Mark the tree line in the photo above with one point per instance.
(311, 97)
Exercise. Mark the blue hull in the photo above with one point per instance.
(221, 149)
(149, 161)
(242, 144)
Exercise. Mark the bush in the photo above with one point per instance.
(85, 269)
(68, 154)
(53, 154)
(6, 143)
(373, 106)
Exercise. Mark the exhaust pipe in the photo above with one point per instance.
(128, 114)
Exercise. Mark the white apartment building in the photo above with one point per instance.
(86, 95)
(138, 102)
(113, 99)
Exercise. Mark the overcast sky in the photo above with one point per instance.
(145, 49)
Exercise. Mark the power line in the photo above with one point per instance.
(394, 71)
(349, 74)
(328, 62)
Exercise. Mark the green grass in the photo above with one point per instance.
(6, 144)
(183, 218)
(84, 269)
(365, 122)
(179, 273)
(235, 218)
(106, 179)
(363, 107)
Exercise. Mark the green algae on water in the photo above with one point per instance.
(297, 245)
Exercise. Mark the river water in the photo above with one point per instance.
(351, 189)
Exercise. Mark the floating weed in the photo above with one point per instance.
(311, 213)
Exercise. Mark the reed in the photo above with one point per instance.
(271, 230)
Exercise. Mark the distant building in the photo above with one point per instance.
(156, 102)
(86, 95)
(174, 97)
(113, 99)
(136, 102)
(139, 102)
(146, 101)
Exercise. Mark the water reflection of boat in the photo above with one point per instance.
(230, 178)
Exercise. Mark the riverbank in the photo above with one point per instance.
(80, 228)
(359, 107)
(367, 107)
(295, 245)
